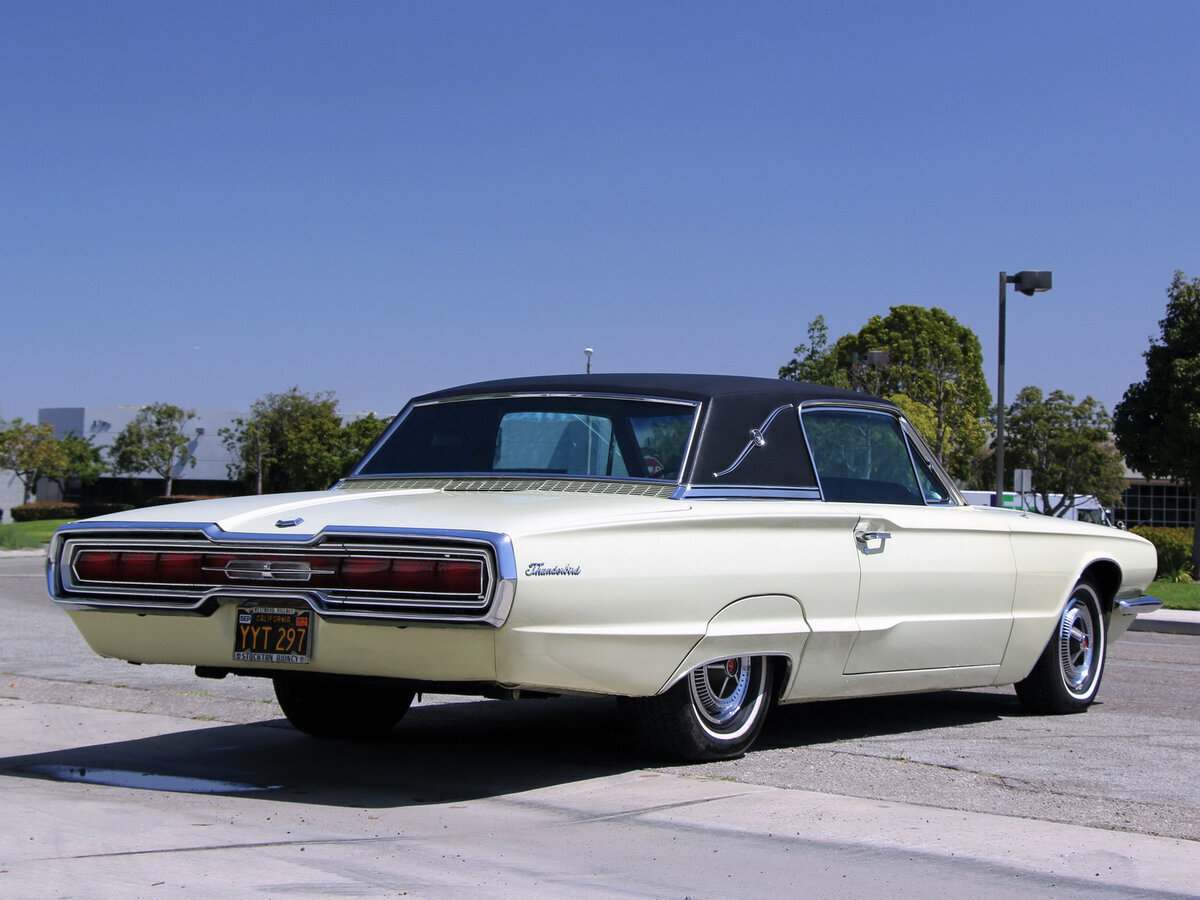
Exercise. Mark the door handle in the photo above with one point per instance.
(865, 537)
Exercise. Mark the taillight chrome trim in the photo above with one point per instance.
(491, 551)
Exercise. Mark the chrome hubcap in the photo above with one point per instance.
(719, 689)
(1077, 645)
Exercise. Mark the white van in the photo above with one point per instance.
(1084, 508)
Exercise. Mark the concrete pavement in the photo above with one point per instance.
(102, 802)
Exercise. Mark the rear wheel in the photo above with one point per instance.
(341, 706)
(715, 712)
(1067, 676)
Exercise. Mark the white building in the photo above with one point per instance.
(103, 423)
(12, 492)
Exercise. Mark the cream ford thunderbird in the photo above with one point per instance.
(698, 547)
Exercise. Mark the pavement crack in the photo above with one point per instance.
(211, 848)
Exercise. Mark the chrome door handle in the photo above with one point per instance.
(864, 537)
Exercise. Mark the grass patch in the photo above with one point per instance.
(1175, 595)
(28, 535)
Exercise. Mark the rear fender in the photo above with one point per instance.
(767, 625)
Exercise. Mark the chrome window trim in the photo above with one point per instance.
(884, 408)
(744, 492)
(495, 549)
(696, 405)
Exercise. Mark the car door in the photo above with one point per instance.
(936, 578)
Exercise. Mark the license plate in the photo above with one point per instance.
(271, 634)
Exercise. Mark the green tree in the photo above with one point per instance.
(816, 362)
(290, 441)
(928, 357)
(154, 442)
(918, 414)
(1157, 422)
(32, 452)
(84, 460)
(1066, 445)
(357, 437)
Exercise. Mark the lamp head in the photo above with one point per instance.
(1029, 283)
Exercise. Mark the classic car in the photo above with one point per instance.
(698, 547)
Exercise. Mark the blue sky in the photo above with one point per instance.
(204, 202)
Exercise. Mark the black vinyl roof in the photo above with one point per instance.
(683, 387)
(735, 410)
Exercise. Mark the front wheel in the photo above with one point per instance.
(1067, 676)
(341, 706)
(715, 712)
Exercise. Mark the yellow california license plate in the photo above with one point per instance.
(272, 634)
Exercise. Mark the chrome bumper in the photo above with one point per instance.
(1138, 605)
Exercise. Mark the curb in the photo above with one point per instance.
(1169, 624)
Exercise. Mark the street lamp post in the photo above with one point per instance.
(1028, 283)
(588, 351)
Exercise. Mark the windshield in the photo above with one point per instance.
(588, 437)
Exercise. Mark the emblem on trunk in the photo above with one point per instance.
(268, 570)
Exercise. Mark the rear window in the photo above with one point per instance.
(590, 437)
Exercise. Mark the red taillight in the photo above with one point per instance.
(139, 566)
(181, 568)
(459, 576)
(213, 567)
(413, 575)
(97, 565)
(366, 573)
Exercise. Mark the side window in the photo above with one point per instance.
(861, 456)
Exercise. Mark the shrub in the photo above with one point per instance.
(45, 509)
(87, 510)
(1174, 546)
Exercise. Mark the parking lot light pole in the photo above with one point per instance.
(1028, 283)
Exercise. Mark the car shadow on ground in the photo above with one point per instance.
(831, 721)
(440, 753)
(449, 751)
(457, 751)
